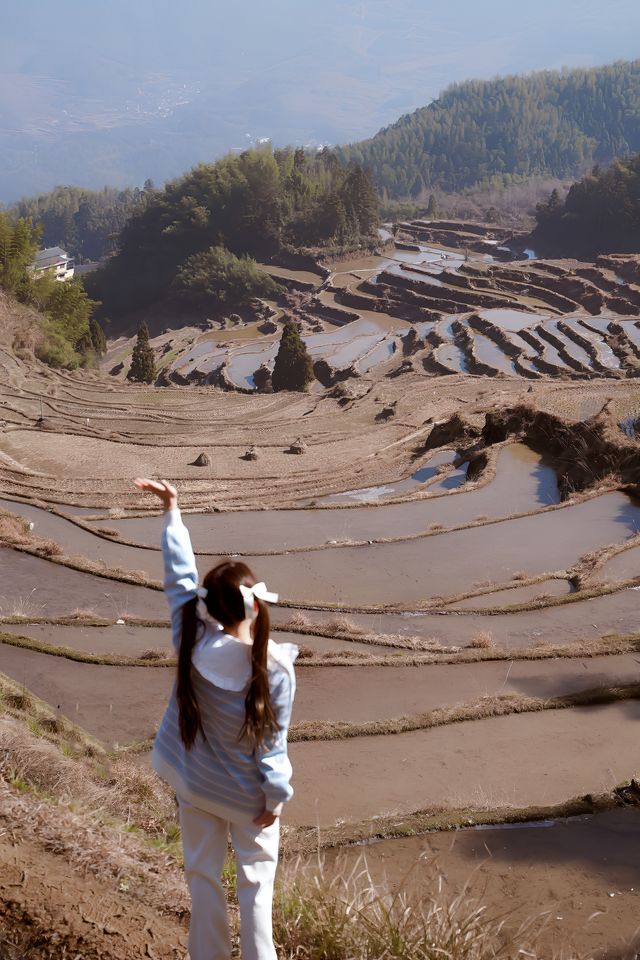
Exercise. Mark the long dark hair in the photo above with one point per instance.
(225, 603)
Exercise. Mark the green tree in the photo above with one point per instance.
(601, 214)
(551, 124)
(143, 367)
(432, 209)
(70, 309)
(18, 247)
(251, 205)
(83, 222)
(217, 276)
(293, 369)
(98, 339)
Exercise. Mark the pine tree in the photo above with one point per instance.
(143, 367)
(98, 339)
(293, 369)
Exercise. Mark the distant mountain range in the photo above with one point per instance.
(118, 93)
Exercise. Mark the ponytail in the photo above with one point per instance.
(260, 718)
(188, 709)
(225, 604)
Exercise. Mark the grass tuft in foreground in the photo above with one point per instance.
(347, 916)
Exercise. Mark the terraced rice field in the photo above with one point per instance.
(513, 318)
(465, 603)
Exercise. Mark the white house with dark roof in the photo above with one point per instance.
(53, 260)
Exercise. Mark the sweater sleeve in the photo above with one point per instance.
(180, 572)
(272, 757)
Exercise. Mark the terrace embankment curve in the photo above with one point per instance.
(405, 574)
(105, 698)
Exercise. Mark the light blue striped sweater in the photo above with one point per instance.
(221, 773)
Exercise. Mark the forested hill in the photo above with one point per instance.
(196, 237)
(548, 124)
(86, 223)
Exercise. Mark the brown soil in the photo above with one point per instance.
(49, 911)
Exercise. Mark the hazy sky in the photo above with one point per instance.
(295, 70)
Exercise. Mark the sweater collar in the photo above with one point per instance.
(225, 661)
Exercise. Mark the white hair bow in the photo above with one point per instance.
(257, 592)
(249, 594)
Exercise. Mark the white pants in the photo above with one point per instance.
(204, 840)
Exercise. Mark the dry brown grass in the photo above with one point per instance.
(296, 621)
(49, 548)
(520, 575)
(437, 527)
(498, 705)
(154, 653)
(108, 531)
(483, 640)
(344, 625)
(346, 914)
(119, 788)
(91, 847)
(12, 528)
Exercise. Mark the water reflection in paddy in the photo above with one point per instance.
(450, 356)
(458, 561)
(599, 324)
(372, 494)
(512, 319)
(579, 354)
(384, 351)
(603, 351)
(488, 352)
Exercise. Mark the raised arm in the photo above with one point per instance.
(180, 572)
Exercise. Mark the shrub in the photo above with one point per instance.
(216, 276)
(55, 350)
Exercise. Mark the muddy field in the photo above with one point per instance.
(462, 579)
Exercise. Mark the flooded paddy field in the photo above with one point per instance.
(522, 483)
(40, 588)
(354, 314)
(473, 646)
(429, 567)
(565, 623)
(530, 759)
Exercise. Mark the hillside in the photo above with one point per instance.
(552, 124)
(255, 204)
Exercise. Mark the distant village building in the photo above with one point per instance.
(53, 260)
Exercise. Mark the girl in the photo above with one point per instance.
(222, 744)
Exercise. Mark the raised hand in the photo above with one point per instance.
(163, 490)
